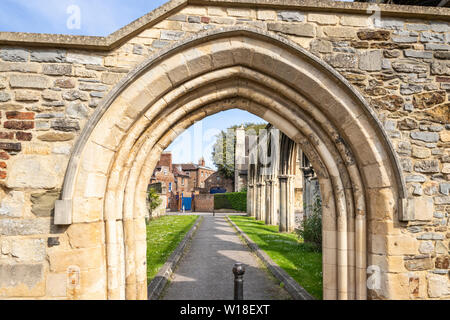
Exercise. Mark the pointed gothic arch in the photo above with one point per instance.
(312, 104)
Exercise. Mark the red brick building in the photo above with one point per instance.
(180, 180)
(198, 173)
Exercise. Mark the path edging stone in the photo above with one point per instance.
(158, 284)
(292, 287)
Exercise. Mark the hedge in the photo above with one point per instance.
(233, 200)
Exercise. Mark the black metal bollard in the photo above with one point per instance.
(238, 271)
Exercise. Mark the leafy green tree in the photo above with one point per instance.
(154, 199)
(224, 149)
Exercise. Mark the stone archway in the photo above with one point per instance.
(359, 173)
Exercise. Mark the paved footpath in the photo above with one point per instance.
(205, 271)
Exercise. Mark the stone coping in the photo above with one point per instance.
(292, 287)
(157, 285)
(122, 35)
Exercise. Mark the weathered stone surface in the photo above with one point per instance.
(421, 153)
(28, 81)
(428, 99)
(86, 86)
(21, 280)
(65, 83)
(14, 55)
(432, 37)
(56, 136)
(370, 60)
(405, 38)
(34, 171)
(342, 60)
(379, 35)
(323, 19)
(85, 235)
(57, 69)
(77, 110)
(440, 113)
(29, 250)
(418, 264)
(25, 227)
(88, 258)
(418, 54)
(437, 286)
(13, 204)
(431, 236)
(56, 285)
(409, 67)
(43, 204)
(427, 166)
(444, 188)
(171, 35)
(390, 102)
(24, 67)
(440, 68)
(425, 136)
(407, 89)
(321, 46)
(111, 78)
(81, 58)
(437, 46)
(420, 208)
(27, 95)
(441, 248)
(391, 53)
(291, 16)
(301, 30)
(8, 146)
(65, 125)
(408, 124)
(340, 32)
(73, 95)
(355, 21)
(426, 247)
(51, 95)
(444, 55)
(48, 55)
(4, 96)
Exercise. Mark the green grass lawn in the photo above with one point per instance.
(298, 259)
(163, 236)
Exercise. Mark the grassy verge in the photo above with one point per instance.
(163, 236)
(300, 260)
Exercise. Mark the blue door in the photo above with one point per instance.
(187, 204)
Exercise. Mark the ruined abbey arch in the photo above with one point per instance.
(355, 86)
(270, 77)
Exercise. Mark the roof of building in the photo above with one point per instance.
(191, 167)
(178, 171)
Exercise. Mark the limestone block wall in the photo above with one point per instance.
(50, 86)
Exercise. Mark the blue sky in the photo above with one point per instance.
(100, 18)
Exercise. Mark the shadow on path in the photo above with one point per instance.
(205, 271)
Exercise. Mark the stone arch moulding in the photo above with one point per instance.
(282, 83)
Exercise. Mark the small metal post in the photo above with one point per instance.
(238, 271)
